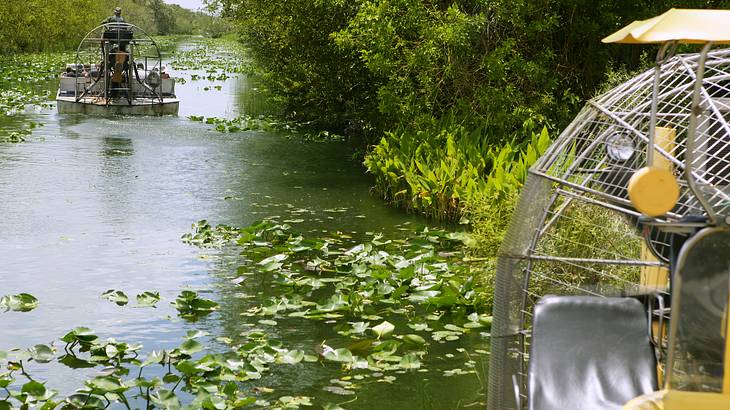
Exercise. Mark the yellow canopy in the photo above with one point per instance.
(684, 26)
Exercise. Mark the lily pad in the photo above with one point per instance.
(22, 302)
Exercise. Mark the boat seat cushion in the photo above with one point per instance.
(589, 353)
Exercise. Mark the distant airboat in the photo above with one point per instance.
(117, 71)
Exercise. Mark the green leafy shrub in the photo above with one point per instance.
(437, 175)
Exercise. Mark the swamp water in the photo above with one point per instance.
(92, 204)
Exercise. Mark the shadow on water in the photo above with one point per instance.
(91, 204)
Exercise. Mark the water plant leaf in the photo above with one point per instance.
(115, 296)
(338, 355)
(383, 329)
(82, 335)
(409, 361)
(22, 302)
(191, 306)
(153, 357)
(414, 340)
(148, 299)
(41, 353)
(106, 384)
(191, 346)
(34, 388)
(194, 334)
(165, 399)
(291, 357)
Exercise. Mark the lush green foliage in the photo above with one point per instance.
(39, 25)
(437, 77)
(437, 174)
(381, 64)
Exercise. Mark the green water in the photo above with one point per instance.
(89, 204)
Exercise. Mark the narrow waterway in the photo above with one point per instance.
(90, 204)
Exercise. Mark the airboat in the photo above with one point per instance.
(117, 71)
(612, 283)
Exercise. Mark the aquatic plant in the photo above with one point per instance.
(389, 300)
(436, 175)
(22, 302)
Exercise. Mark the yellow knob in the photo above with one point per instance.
(653, 191)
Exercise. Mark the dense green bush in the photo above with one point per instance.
(438, 174)
(376, 65)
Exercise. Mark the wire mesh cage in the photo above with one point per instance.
(117, 53)
(575, 232)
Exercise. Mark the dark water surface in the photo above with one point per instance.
(89, 204)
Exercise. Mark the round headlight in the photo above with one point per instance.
(620, 147)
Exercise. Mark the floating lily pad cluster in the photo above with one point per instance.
(185, 373)
(390, 298)
(219, 59)
(24, 79)
(246, 122)
(188, 303)
(144, 299)
(240, 123)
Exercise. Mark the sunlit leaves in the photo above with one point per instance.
(22, 302)
(148, 299)
(81, 335)
(190, 347)
(383, 329)
(115, 296)
(337, 355)
(41, 353)
(414, 340)
(191, 306)
(291, 357)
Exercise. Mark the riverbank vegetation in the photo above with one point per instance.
(451, 98)
(52, 25)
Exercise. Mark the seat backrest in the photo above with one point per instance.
(589, 353)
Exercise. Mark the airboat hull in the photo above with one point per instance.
(99, 106)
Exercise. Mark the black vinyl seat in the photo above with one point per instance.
(589, 353)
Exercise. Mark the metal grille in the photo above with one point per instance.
(575, 231)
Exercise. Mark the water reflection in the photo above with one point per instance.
(117, 147)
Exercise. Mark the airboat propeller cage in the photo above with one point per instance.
(565, 237)
(111, 39)
(671, 28)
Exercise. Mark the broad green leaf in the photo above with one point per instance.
(22, 302)
(415, 340)
(409, 361)
(291, 357)
(41, 353)
(148, 299)
(106, 384)
(190, 347)
(116, 296)
(34, 388)
(383, 329)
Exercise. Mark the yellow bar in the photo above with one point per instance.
(656, 277)
(664, 138)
